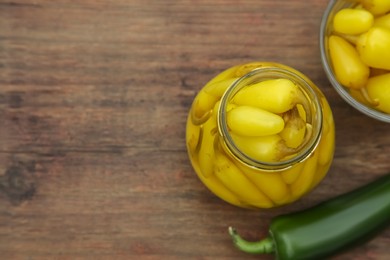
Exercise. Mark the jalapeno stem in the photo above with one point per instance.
(284, 150)
(302, 99)
(373, 102)
(200, 120)
(265, 246)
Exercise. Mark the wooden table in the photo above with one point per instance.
(93, 102)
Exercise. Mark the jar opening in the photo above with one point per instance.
(313, 118)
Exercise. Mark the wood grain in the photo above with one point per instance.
(93, 101)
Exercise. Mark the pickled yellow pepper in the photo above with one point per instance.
(378, 87)
(376, 7)
(253, 121)
(374, 47)
(382, 21)
(352, 21)
(348, 67)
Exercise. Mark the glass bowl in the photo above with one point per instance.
(326, 29)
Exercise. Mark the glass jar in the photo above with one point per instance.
(260, 135)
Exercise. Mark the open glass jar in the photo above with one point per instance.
(260, 135)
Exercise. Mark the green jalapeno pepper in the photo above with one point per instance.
(327, 228)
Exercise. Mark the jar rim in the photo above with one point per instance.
(271, 73)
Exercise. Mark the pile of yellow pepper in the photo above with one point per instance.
(267, 120)
(359, 48)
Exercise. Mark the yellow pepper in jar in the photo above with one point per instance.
(253, 121)
(266, 137)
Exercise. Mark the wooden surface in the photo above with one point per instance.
(93, 101)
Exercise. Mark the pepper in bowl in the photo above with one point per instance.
(355, 52)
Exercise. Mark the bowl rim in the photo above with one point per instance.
(341, 90)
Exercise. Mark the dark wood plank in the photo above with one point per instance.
(93, 101)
